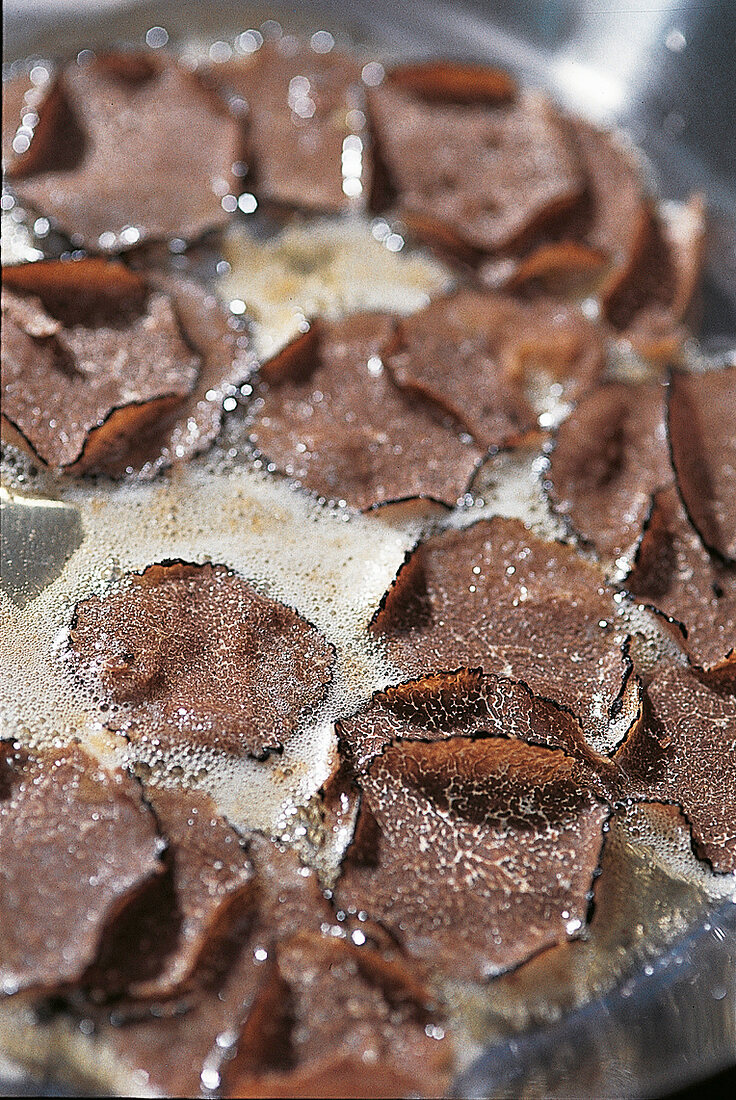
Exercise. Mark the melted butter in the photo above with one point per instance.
(327, 267)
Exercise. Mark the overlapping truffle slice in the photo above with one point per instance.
(477, 854)
(610, 456)
(179, 1042)
(652, 299)
(129, 146)
(476, 166)
(164, 938)
(338, 1019)
(466, 702)
(304, 122)
(490, 361)
(673, 571)
(330, 416)
(686, 753)
(234, 671)
(596, 244)
(498, 597)
(701, 416)
(94, 362)
(76, 842)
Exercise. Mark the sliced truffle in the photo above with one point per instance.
(304, 122)
(686, 753)
(610, 456)
(109, 370)
(498, 597)
(91, 360)
(330, 416)
(599, 242)
(477, 173)
(161, 940)
(233, 671)
(226, 361)
(76, 842)
(179, 1043)
(701, 416)
(651, 300)
(466, 702)
(488, 360)
(673, 571)
(477, 854)
(129, 146)
(333, 1015)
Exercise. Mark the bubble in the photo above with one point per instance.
(156, 37)
(373, 73)
(322, 42)
(249, 41)
(247, 203)
(220, 52)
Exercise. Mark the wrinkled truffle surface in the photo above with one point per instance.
(610, 456)
(498, 597)
(330, 416)
(233, 671)
(129, 146)
(303, 124)
(476, 853)
(76, 843)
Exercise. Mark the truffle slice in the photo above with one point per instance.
(180, 1042)
(476, 172)
(489, 361)
(129, 146)
(610, 456)
(465, 702)
(653, 297)
(686, 753)
(161, 940)
(303, 125)
(233, 671)
(76, 842)
(476, 854)
(498, 597)
(600, 241)
(92, 360)
(701, 416)
(329, 415)
(674, 572)
(333, 1015)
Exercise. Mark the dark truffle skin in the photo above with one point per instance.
(235, 671)
(477, 853)
(651, 300)
(498, 597)
(129, 141)
(466, 702)
(330, 416)
(77, 842)
(610, 456)
(162, 942)
(297, 123)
